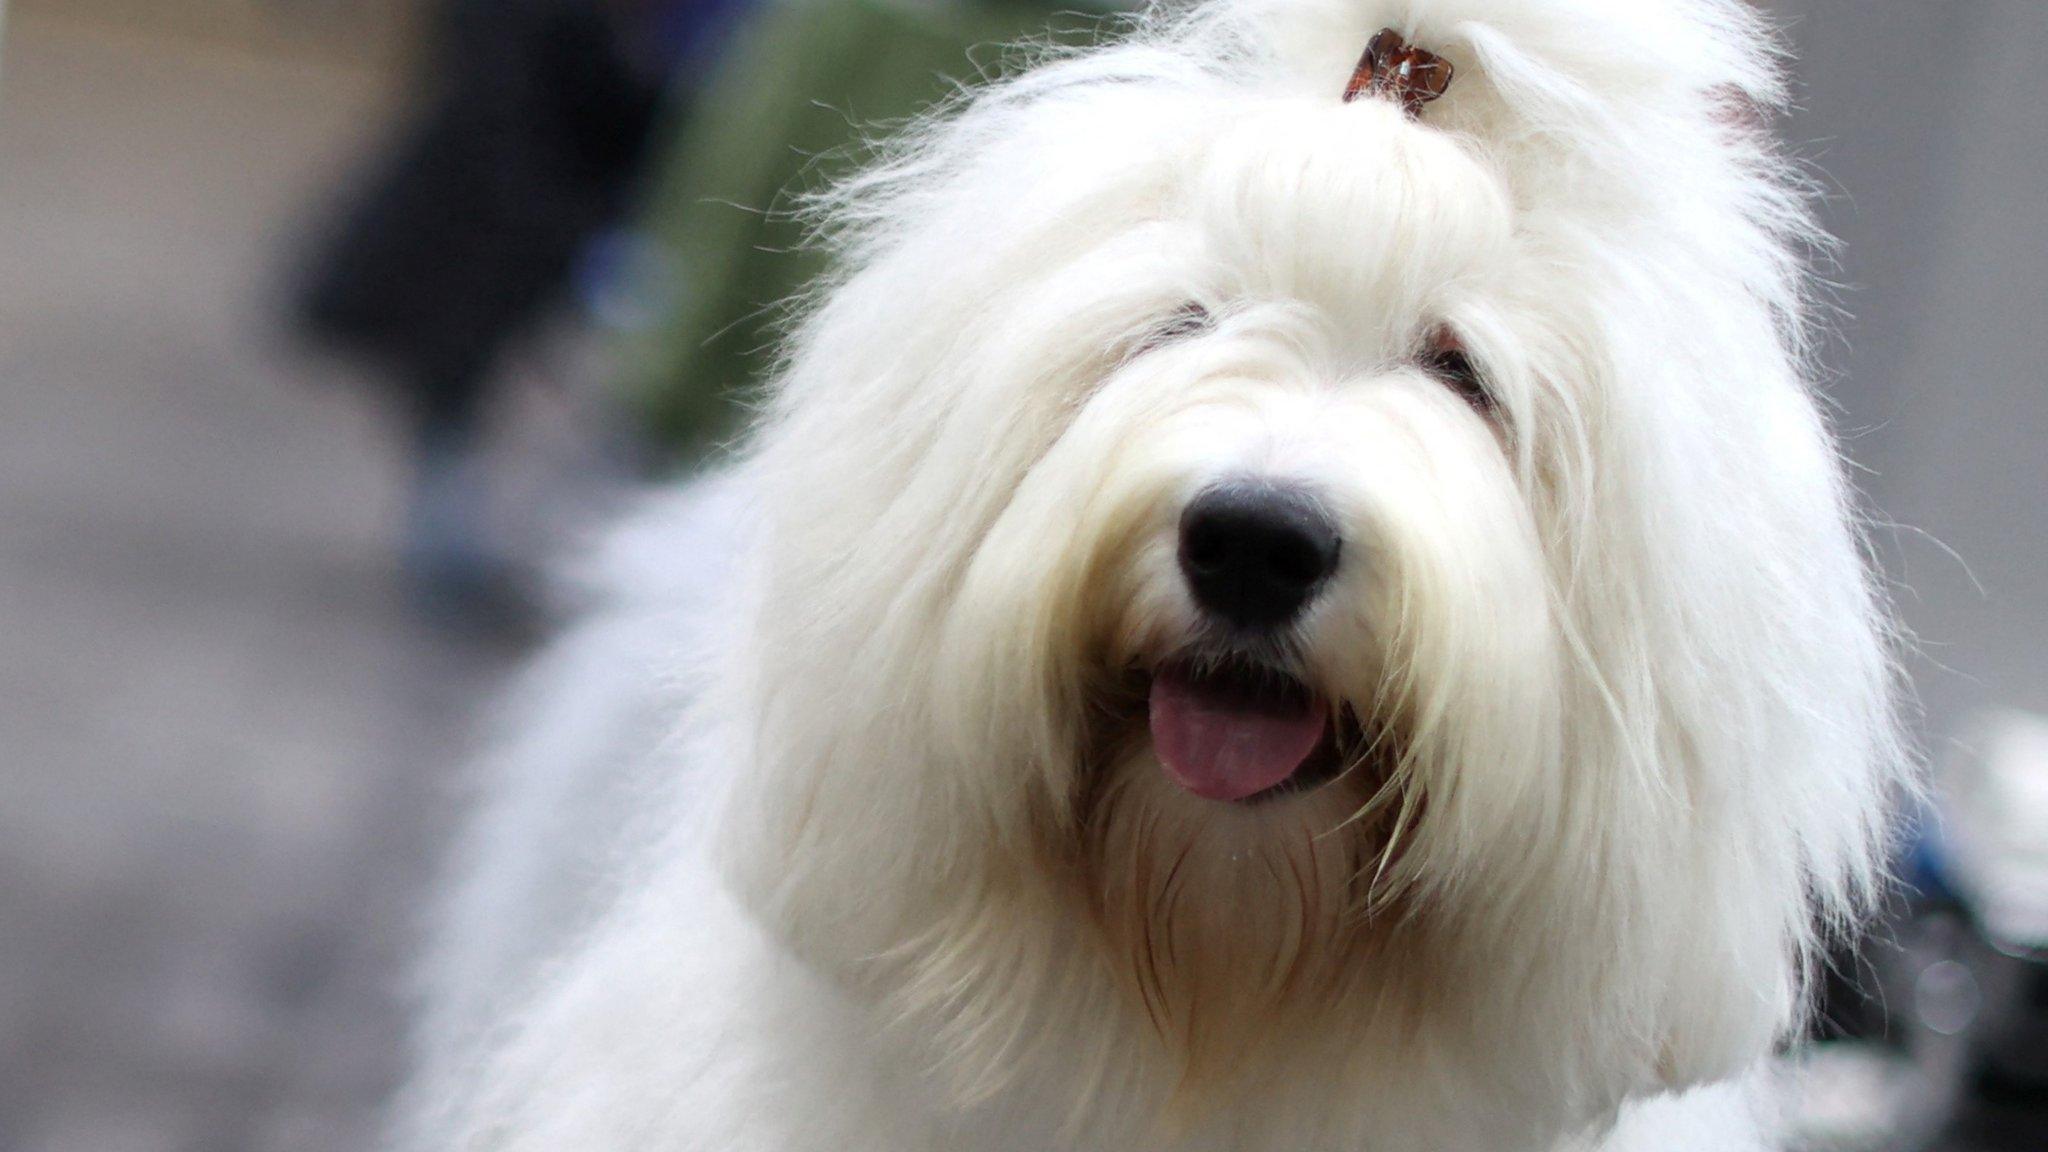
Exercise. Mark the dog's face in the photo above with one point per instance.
(1284, 579)
(1320, 573)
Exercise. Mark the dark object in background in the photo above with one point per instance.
(1936, 1025)
(525, 142)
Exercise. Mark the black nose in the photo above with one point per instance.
(1255, 553)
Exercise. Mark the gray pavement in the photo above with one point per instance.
(222, 742)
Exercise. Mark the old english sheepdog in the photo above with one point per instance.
(1293, 594)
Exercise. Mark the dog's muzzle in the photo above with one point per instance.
(1256, 553)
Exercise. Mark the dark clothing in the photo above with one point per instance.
(525, 142)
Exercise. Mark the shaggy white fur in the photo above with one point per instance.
(1606, 678)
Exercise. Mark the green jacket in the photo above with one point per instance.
(798, 89)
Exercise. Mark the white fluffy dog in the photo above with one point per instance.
(1257, 620)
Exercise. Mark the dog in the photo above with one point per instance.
(1293, 594)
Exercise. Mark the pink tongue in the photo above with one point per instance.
(1225, 749)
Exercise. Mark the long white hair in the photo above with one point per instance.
(1620, 661)
(1609, 670)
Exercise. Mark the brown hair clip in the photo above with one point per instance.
(1394, 68)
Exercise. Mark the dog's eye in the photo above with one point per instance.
(1190, 319)
(1447, 360)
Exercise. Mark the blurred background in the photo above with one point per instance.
(325, 323)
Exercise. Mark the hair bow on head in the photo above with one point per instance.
(1394, 68)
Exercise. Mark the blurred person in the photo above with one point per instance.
(523, 144)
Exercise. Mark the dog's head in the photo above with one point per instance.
(1303, 575)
